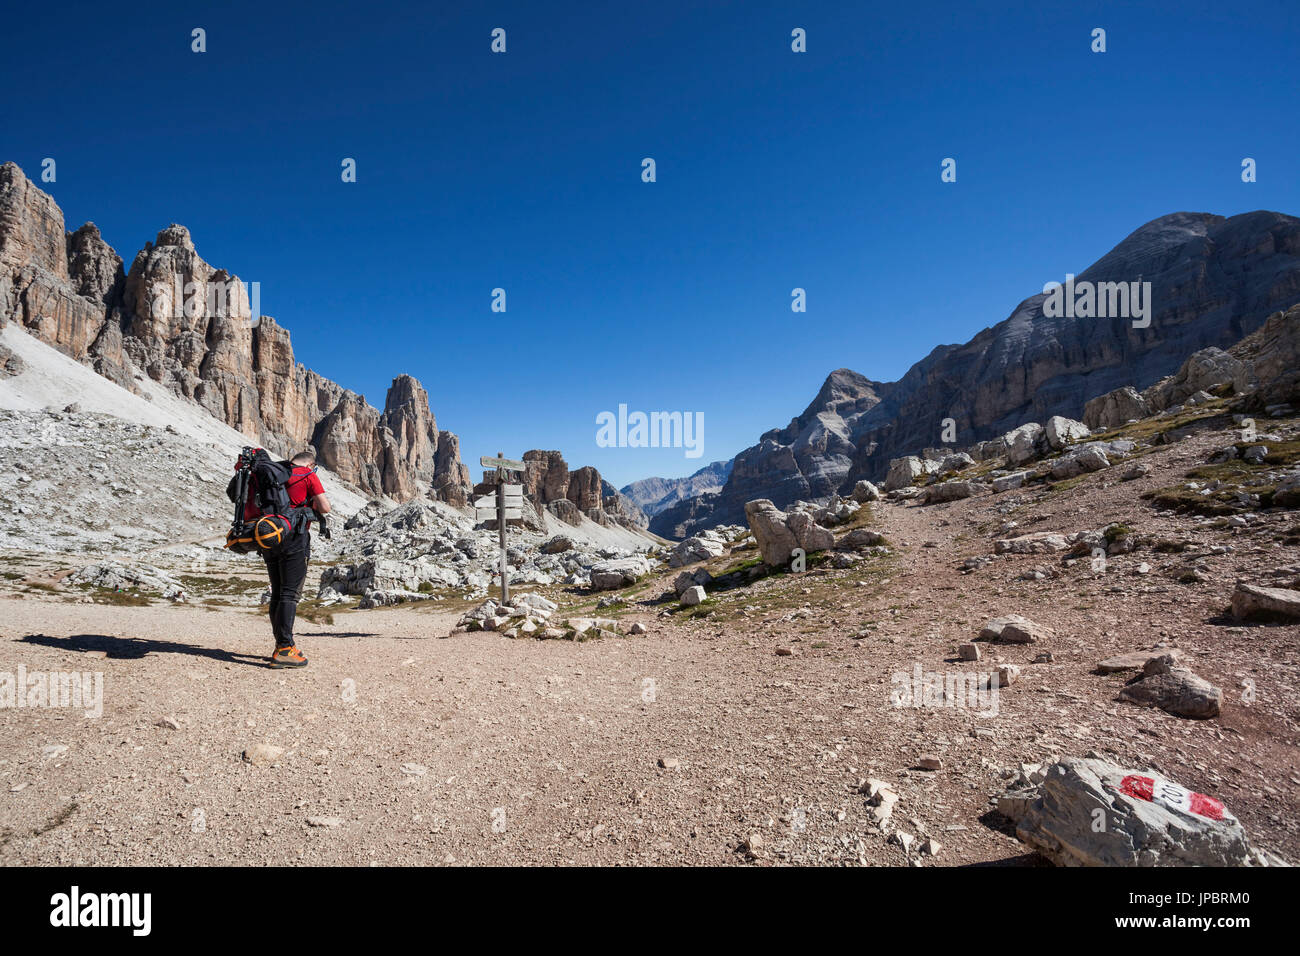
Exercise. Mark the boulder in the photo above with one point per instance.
(778, 534)
(1037, 542)
(1080, 459)
(1115, 408)
(618, 573)
(692, 596)
(387, 575)
(860, 538)
(557, 545)
(697, 548)
(1062, 431)
(904, 471)
(1287, 493)
(534, 602)
(1133, 660)
(985, 450)
(865, 491)
(957, 461)
(1025, 443)
(954, 491)
(116, 576)
(1014, 629)
(1012, 481)
(1167, 684)
(1254, 599)
(810, 535)
(1148, 819)
(689, 579)
(11, 364)
(1004, 675)
(1201, 371)
(592, 626)
(389, 597)
(767, 524)
(837, 512)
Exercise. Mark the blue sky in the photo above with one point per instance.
(522, 171)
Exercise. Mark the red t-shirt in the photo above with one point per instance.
(302, 485)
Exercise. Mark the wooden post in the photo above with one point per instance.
(501, 474)
(501, 532)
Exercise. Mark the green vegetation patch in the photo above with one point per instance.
(1235, 476)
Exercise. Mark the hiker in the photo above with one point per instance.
(287, 567)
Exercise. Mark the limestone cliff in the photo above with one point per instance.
(188, 326)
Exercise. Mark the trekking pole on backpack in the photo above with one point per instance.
(240, 536)
(239, 491)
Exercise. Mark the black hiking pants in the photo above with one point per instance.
(288, 571)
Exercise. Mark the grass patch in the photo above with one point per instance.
(704, 609)
(1115, 532)
(1235, 475)
(864, 517)
(120, 598)
(205, 584)
(740, 567)
(1148, 429)
(312, 611)
(1184, 499)
(1066, 484)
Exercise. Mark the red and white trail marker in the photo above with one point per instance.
(1170, 795)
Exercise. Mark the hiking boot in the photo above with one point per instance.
(288, 656)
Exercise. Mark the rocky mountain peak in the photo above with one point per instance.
(1152, 243)
(406, 391)
(1212, 281)
(845, 385)
(201, 343)
(175, 235)
(93, 267)
(31, 226)
(566, 494)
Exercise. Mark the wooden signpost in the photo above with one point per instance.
(507, 503)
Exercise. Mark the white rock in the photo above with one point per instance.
(692, 596)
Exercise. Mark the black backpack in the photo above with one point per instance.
(267, 480)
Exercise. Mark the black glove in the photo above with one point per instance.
(324, 526)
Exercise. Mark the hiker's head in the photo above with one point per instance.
(305, 458)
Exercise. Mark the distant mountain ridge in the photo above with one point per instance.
(653, 495)
(1213, 281)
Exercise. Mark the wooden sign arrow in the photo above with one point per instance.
(509, 464)
(490, 502)
(484, 514)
